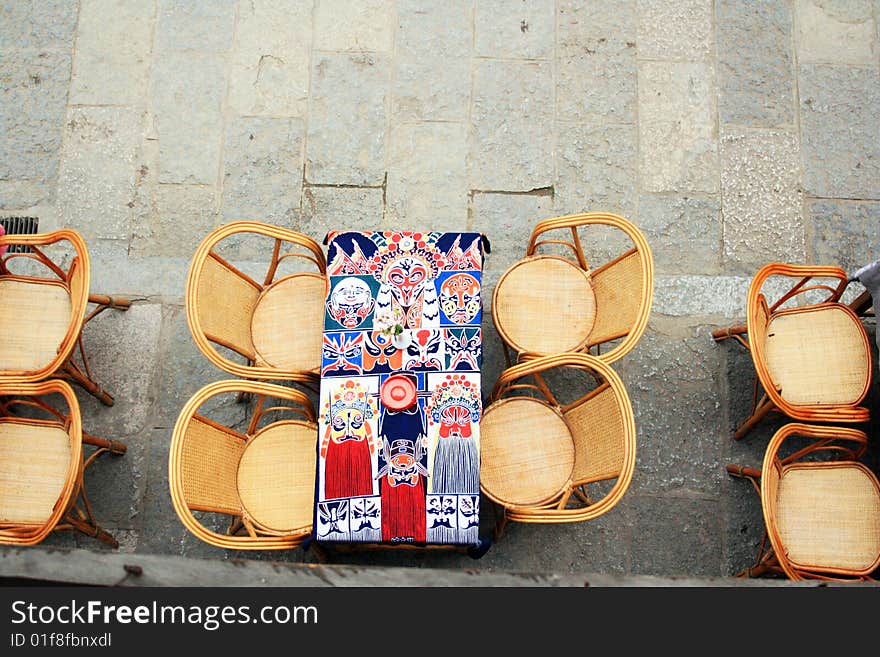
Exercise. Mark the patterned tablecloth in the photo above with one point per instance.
(411, 475)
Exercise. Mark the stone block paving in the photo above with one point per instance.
(732, 133)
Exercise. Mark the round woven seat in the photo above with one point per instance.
(34, 319)
(828, 516)
(819, 356)
(34, 465)
(544, 304)
(526, 452)
(276, 477)
(288, 322)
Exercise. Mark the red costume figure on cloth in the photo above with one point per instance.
(402, 476)
(348, 443)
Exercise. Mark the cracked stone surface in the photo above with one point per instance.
(761, 196)
(730, 133)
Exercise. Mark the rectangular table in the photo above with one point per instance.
(409, 475)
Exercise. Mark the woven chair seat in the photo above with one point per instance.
(276, 477)
(828, 516)
(34, 319)
(526, 452)
(818, 356)
(545, 304)
(34, 465)
(288, 321)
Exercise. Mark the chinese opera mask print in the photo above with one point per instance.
(347, 446)
(342, 354)
(460, 298)
(425, 352)
(453, 411)
(333, 520)
(407, 284)
(350, 302)
(463, 349)
(366, 519)
(380, 355)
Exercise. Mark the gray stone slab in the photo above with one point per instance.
(115, 485)
(761, 197)
(123, 352)
(345, 147)
(507, 220)
(203, 27)
(188, 92)
(599, 545)
(597, 169)
(684, 233)
(269, 74)
(675, 29)
(185, 214)
(526, 30)
(361, 25)
(340, 208)
(183, 371)
(96, 181)
(157, 278)
(427, 185)
(755, 70)
(677, 127)
(512, 140)
(836, 32)
(692, 525)
(596, 61)
(840, 131)
(433, 48)
(39, 24)
(678, 443)
(262, 171)
(33, 87)
(844, 234)
(111, 64)
(682, 296)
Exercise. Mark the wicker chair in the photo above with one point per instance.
(41, 464)
(543, 461)
(261, 479)
(275, 325)
(43, 310)
(821, 505)
(549, 303)
(812, 361)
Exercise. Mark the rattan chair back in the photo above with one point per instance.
(275, 325)
(261, 478)
(600, 428)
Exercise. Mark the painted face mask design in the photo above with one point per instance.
(350, 302)
(460, 298)
(380, 356)
(342, 353)
(425, 352)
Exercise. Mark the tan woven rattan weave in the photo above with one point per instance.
(41, 464)
(548, 303)
(43, 310)
(262, 478)
(274, 325)
(821, 505)
(598, 425)
(812, 361)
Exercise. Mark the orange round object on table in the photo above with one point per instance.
(398, 392)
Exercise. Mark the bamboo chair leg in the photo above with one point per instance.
(74, 374)
(93, 530)
(112, 446)
(862, 303)
(761, 410)
(500, 522)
